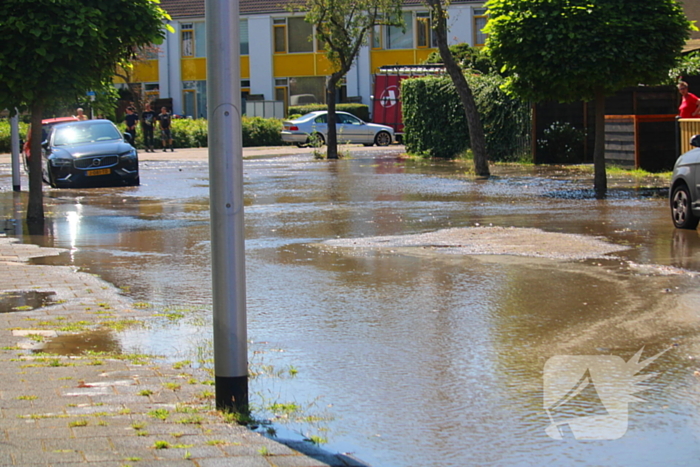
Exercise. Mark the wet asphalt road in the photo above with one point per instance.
(407, 354)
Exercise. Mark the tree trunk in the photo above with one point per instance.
(332, 143)
(35, 208)
(476, 129)
(600, 180)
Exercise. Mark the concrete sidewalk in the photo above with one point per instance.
(110, 410)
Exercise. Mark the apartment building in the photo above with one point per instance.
(279, 58)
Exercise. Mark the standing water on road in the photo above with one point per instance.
(421, 307)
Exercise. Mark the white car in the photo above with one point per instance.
(313, 127)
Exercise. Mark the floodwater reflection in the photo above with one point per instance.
(426, 358)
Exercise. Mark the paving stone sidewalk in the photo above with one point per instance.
(108, 410)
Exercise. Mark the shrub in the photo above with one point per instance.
(435, 124)
(188, 133)
(5, 136)
(258, 131)
(361, 111)
(561, 144)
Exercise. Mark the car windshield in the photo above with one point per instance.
(65, 135)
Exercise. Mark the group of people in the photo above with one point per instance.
(149, 120)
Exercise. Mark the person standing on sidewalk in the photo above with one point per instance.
(148, 121)
(164, 122)
(130, 120)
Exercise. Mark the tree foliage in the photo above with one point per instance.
(689, 65)
(53, 50)
(569, 50)
(468, 57)
(342, 26)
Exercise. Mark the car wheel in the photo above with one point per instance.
(317, 140)
(382, 139)
(681, 211)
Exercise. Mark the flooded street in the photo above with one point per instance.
(421, 352)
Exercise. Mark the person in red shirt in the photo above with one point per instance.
(689, 107)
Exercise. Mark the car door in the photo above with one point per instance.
(351, 129)
(320, 125)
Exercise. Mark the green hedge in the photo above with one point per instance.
(361, 111)
(435, 124)
(5, 141)
(257, 131)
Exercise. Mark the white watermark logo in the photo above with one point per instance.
(590, 394)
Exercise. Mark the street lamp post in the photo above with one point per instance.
(226, 205)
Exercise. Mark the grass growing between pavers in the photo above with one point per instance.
(198, 412)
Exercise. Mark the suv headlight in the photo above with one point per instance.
(128, 155)
(59, 162)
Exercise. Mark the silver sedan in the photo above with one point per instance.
(685, 205)
(312, 128)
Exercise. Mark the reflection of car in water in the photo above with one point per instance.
(302, 99)
(89, 153)
(685, 205)
(46, 126)
(350, 129)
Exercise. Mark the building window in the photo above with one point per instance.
(194, 98)
(398, 37)
(300, 34)
(377, 42)
(243, 36)
(194, 39)
(480, 20)
(280, 35)
(293, 35)
(423, 29)
(152, 91)
(307, 90)
(187, 35)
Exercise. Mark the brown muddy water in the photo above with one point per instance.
(424, 345)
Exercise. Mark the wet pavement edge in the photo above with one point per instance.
(98, 410)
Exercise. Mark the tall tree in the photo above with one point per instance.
(342, 26)
(54, 49)
(476, 129)
(571, 50)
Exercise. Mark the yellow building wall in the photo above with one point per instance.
(379, 58)
(193, 69)
(311, 64)
(245, 67)
(143, 72)
(146, 72)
